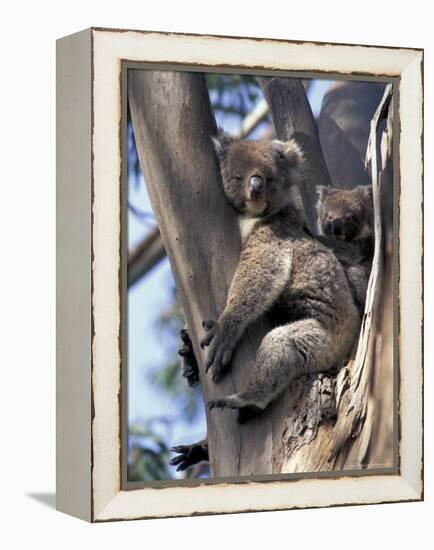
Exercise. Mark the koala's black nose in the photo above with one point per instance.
(334, 228)
(337, 227)
(256, 187)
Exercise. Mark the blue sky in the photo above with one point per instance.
(146, 300)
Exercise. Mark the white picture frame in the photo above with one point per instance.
(89, 157)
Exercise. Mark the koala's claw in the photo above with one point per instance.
(208, 324)
(222, 339)
(219, 357)
(179, 461)
(189, 455)
(211, 328)
(190, 369)
(205, 342)
(217, 403)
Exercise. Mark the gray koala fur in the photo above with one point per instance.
(283, 272)
(345, 224)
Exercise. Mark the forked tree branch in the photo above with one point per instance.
(151, 250)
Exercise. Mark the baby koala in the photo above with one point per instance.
(345, 224)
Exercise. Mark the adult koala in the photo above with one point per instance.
(283, 272)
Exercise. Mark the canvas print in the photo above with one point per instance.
(260, 276)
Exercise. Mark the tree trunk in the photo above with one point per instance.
(343, 128)
(173, 123)
(293, 118)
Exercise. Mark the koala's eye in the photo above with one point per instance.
(269, 179)
(237, 178)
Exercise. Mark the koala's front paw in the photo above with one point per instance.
(221, 341)
(190, 369)
(189, 455)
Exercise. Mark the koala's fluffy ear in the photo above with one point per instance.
(291, 151)
(291, 158)
(365, 193)
(221, 142)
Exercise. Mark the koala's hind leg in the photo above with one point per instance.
(286, 352)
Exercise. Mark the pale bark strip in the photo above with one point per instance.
(356, 412)
(382, 442)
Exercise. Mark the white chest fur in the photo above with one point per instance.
(246, 226)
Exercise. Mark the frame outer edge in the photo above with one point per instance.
(411, 274)
(73, 275)
(121, 505)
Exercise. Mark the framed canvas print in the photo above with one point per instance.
(239, 274)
